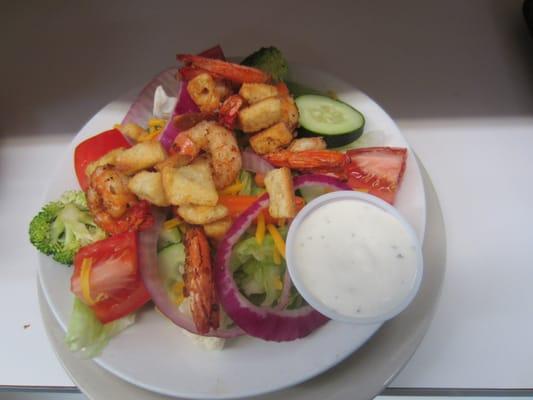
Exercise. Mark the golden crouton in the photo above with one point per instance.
(278, 184)
(133, 131)
(107, 159)
(148, 186)
(271, 139)
(218, 229)
(141, 156)
(305, 144)
(191, 184)
(260, 115)
(199, 215)
(203, 91)
(175, 160)
(289, 112)
(254, 92)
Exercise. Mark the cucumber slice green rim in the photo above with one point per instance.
(337, 122)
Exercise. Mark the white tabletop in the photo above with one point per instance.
(457, 76)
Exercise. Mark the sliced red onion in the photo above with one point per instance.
(184, 105)
(265, 323)
(141, 109)
(147, 254)
(253, 162)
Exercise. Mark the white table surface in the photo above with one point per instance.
(457, 76)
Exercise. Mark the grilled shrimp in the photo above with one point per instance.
(308, 159)
(199, 281)
(114, 207)
(221, 145)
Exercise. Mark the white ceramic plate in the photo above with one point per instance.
(155, 355)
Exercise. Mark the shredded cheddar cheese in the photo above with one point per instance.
(278, 284)
(260, 230)
(233, 189)
(156, 123)
(149, 136)
(279, 243)
(85, 277)
(178, 292)
(171, 223)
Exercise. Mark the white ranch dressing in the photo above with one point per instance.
(355, 258)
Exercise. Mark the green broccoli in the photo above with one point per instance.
(270, 60)
(63, 226)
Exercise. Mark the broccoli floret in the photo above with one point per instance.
(270, 60)
(76, 197)
(63, 226)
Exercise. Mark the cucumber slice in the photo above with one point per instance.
(337, 122)
(168, 237)
(171, 261)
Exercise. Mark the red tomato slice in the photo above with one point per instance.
(377, 170)
(115, 285)
(93, 148)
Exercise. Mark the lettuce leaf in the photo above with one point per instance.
(255, 272)
(247, 180)
(87, 335)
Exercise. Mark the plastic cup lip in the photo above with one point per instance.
(310, 297)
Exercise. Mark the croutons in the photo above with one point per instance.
(254, 92)
(305, 144)
(107, 159)
(289, 112)
(199, 215)
(191, 184)
(133, 131)
(260, 115)
(271, 139)
(218, 229)
(141, 156)
(175, 160)
(278, 184)
(148, 186)
(203, 91)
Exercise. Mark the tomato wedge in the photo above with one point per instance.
(93, 148)
(376, 170)
(233, 72)
(113, 286)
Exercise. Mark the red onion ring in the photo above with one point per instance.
(265, 323)
(147, 255)
(141, 109)
(252, 161)
(185, 104)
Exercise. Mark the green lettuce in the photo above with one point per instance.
(87, 335)
(254, 269)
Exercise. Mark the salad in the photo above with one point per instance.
(185, 205)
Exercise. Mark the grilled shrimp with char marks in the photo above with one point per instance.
(222, 147)
(199, 281)
(114, 207)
